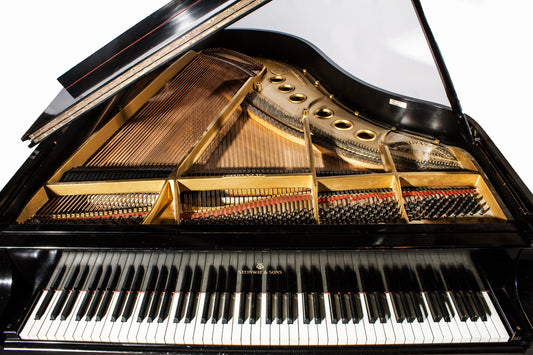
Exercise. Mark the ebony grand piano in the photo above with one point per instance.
(199, 189)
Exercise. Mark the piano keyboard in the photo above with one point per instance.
(265, 299)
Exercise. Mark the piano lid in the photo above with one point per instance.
(176, 27)
(153, 42)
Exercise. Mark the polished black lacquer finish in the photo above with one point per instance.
(281, 276)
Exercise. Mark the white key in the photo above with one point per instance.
(125, 327)
(388, 330)
(170, 332)
(218, 328)
(418, 333)
(498, 324)
(429, 337)
(360, 329)
(246, 332)
(303, 329)
(181, 326)
(322, 327)
(485, 336)
(43, 331)
(105, 335)
(447, 336)
(434, 326)
(188, 337)
(133, 329)
(284, 335)
(312, 327)
(351, 332)
(265, 328)
(474, 331)
(407, 329)
(369, 327)
(198, 337)
(117, 325)
(67, 331)
(294, 334)
(398, 328)
(227, 335)
(209, 327)
(32, 326)
(236, 327)
(331, 328)
(80, 332)
(144, 327)
(274, 326)
(55, 324)
(256, 328)
(494, 335)
(381, 337)
(152, 331)
(457, 337)
(342, 336)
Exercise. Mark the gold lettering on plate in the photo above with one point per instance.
(260, 272)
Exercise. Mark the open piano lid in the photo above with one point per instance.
(153, 42)
(162, 37)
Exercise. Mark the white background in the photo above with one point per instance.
(486, 45)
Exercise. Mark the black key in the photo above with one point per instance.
(245, 287)
(64, 293)
(357, 309)
(354, 299)
(330, 281)
(483, 305)
(318, 298)
(440, 290)
(450, 279)
(421, 309)
(134, 293)
(50, 292)
(305, 276)
(89, 294)
(269, 290)
(193, 299)
(476, 295)
(99, 292)
(291, 288)
(433, 304)
(126, 285)
(460, 307)
(75, 293)
(397, 303)
(148, 290)
(409, 307)
(367, 280)
(341, 292)
(231, 281)
(107, 294)
(381, 299)
(391, 277)
(169, 292)
(156, 299)
(221, 280)
(210, 287)
(257, 281)
(184, 288)
(278, 297)
(372, 307)
(471, 306)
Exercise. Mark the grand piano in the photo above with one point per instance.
(201, 189)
